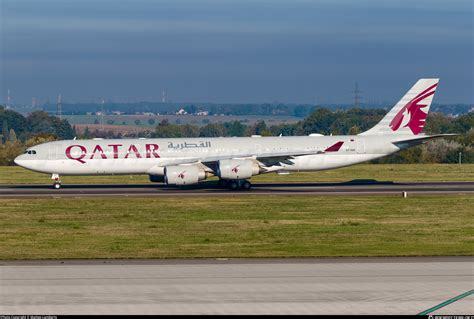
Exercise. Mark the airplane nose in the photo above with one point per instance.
(18, 161)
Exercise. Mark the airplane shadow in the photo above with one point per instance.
(208, 185)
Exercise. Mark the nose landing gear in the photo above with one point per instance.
(56, 181)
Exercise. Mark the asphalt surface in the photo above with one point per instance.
(407, 285)
(210, 189)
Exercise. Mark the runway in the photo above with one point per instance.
(356, 187)
(238, 286)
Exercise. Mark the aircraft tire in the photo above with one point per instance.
(222, 183)
(233, 185)
(246, 185)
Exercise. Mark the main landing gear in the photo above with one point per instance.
(234, 184)
(56, 181)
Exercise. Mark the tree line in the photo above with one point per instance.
(275, 108)
(19, 132)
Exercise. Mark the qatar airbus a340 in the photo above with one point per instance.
(186, 161)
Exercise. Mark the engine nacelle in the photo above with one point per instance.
(183, 175)
(237, 169)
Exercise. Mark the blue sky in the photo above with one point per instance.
(235, 51)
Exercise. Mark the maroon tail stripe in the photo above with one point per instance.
(428, 89)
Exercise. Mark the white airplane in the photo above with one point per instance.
(186, 161)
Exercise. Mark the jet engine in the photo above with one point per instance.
(237, 169)
(183, 175)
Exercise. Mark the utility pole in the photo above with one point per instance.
(9, 100)
(357, 96)
(102, 114)
(460, 158)
(60, 107)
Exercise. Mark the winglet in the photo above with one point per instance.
(334, 147)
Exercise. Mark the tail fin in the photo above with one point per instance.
(408, 116)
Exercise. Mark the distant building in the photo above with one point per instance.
(181, 112)
(118, 112)
(149, 113)
(201, 112)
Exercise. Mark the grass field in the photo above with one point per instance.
(273, 226)
(381, 172)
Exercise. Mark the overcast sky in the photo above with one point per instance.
(235, 51)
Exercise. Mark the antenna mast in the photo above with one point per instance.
(102, 114)
(357, 96)
(60, 107)
(9, 100)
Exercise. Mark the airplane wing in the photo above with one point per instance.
(277, 160)
(274, 156)
(286, 159)
(269, 159)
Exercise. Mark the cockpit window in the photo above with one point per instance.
(31, 152)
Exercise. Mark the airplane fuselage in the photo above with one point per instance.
(150, 156)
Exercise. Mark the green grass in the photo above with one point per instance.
(253, 226)
(381, 172)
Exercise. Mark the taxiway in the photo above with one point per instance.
(238, 286)
(210, 189)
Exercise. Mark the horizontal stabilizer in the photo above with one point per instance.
(420, 140)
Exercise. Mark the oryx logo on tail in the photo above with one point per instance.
(413, 115)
